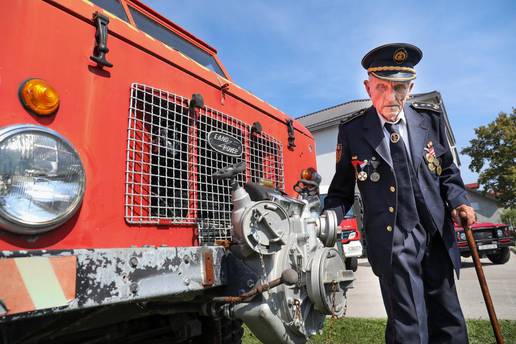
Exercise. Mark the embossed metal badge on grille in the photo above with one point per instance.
(225, 144)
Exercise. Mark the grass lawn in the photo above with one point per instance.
(371, 331)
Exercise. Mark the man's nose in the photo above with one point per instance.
(391, 95)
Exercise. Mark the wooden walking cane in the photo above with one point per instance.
(482, 280)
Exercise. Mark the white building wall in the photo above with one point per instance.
(326, 141)
(487, 209)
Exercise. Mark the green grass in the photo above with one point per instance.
(371, 331)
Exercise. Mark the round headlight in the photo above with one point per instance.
(499, 233)
(41, 179)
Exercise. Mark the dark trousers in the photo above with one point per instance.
(419, 295)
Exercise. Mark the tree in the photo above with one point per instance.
(494, 148)
(509, 216)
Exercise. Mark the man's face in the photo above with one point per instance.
(388, 96)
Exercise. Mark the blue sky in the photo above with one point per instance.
(303, 56)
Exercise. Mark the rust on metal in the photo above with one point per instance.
(224, 243)
(208, 268)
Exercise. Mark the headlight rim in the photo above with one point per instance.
(12, 224)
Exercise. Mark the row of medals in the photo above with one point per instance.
(434, 164)
(362, 175)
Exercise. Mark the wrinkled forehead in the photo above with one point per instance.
(377, 81)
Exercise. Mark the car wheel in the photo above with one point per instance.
(501, 257)
(352, 264)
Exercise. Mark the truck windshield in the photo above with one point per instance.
(112, 6)
(173, 40)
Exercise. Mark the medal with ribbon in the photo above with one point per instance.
(362, 175)
(355, 163)
(434, 163)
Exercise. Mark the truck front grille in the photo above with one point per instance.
(483, 234)
(170, 163)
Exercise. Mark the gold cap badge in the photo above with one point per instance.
(400, 55)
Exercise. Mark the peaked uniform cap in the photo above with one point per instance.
(393, 61)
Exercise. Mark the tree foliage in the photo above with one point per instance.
(493, 157)
(509, 216)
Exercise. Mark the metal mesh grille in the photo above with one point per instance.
(170, 163)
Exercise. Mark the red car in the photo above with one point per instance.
(493, 241)
(351, 246)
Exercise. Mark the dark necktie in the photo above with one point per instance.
(407, 214)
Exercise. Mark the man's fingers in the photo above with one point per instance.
(463, 215)
(455, 216)
(467, 217)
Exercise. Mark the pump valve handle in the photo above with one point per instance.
(229, 172)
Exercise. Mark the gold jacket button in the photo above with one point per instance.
(392, 188)
(391, 209)
(389, 228)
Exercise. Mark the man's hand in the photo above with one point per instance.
(464, 215)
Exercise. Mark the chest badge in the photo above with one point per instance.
(395, 137)
(338, 153)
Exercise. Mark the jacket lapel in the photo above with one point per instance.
(373, 133)
(418, 134)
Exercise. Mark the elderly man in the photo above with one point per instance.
(411, 189)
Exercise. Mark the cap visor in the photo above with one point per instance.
(394, 76)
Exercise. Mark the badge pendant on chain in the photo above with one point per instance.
(375, 176)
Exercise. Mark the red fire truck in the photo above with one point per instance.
(145, 196)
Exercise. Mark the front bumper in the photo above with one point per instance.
(42, 282)
(484, 247)
(351, 249)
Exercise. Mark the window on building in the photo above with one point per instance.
(173, 40)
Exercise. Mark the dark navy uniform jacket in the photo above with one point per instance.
(363, 138)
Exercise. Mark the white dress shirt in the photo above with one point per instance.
(402, 125)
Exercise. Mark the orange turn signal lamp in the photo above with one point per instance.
(310, 174)
(38, 97)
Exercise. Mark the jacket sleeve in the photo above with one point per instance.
(341, 193)
(451, 184)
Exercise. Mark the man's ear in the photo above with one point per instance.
(410, 87)
(366, 85)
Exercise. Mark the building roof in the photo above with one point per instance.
(474, 188)
(333, 115)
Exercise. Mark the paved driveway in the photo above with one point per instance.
(365, 299)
